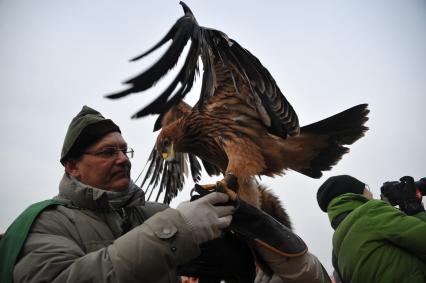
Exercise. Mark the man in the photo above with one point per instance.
(105, 231)
(373, 241)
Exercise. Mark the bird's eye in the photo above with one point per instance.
(166, 143)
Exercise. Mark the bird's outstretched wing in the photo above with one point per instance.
(235, 64)
(170, 176)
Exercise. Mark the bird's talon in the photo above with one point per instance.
(222, 187)
(205, 189)
(229, 186)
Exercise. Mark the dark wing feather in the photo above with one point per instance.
(179, 36)
(195, 168)
(283, 119)
(213, 47)
(211, 169)
(169, 177)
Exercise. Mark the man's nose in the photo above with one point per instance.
(121, 156)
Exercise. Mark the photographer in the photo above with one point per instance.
(374, 241)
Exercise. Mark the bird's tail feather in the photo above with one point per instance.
(323, 142)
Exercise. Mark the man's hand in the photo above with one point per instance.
(205, 219)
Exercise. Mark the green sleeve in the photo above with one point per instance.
(407, 232)
(421, 216)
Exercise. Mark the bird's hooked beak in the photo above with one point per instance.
(169, 153)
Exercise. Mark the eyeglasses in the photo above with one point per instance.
(112, 152)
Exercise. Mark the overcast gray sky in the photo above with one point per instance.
(326, 56)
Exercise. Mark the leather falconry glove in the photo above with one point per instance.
(276, 248)
(255, 225)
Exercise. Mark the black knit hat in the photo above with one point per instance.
(336, 186)
(84, 130)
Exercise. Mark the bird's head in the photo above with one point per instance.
(166, 147)
(171, 140)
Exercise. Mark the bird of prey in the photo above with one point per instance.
(242, 124)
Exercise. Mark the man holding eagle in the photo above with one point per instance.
(241, 127)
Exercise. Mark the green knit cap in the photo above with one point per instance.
(85, 129)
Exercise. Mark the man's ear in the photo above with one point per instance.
(72, 168)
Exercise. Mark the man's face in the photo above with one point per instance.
(367, 193)
(111, 173)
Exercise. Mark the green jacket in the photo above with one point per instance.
(84, 240)
(377, 242)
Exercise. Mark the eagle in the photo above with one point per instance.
(242, 125)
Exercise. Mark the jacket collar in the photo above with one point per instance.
(344, 204)
(85, 196)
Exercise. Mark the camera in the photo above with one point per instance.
(398, 192)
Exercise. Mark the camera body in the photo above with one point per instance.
(395, 192)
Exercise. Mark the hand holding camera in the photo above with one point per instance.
(407, 194)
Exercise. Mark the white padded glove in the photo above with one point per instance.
(205, 219)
